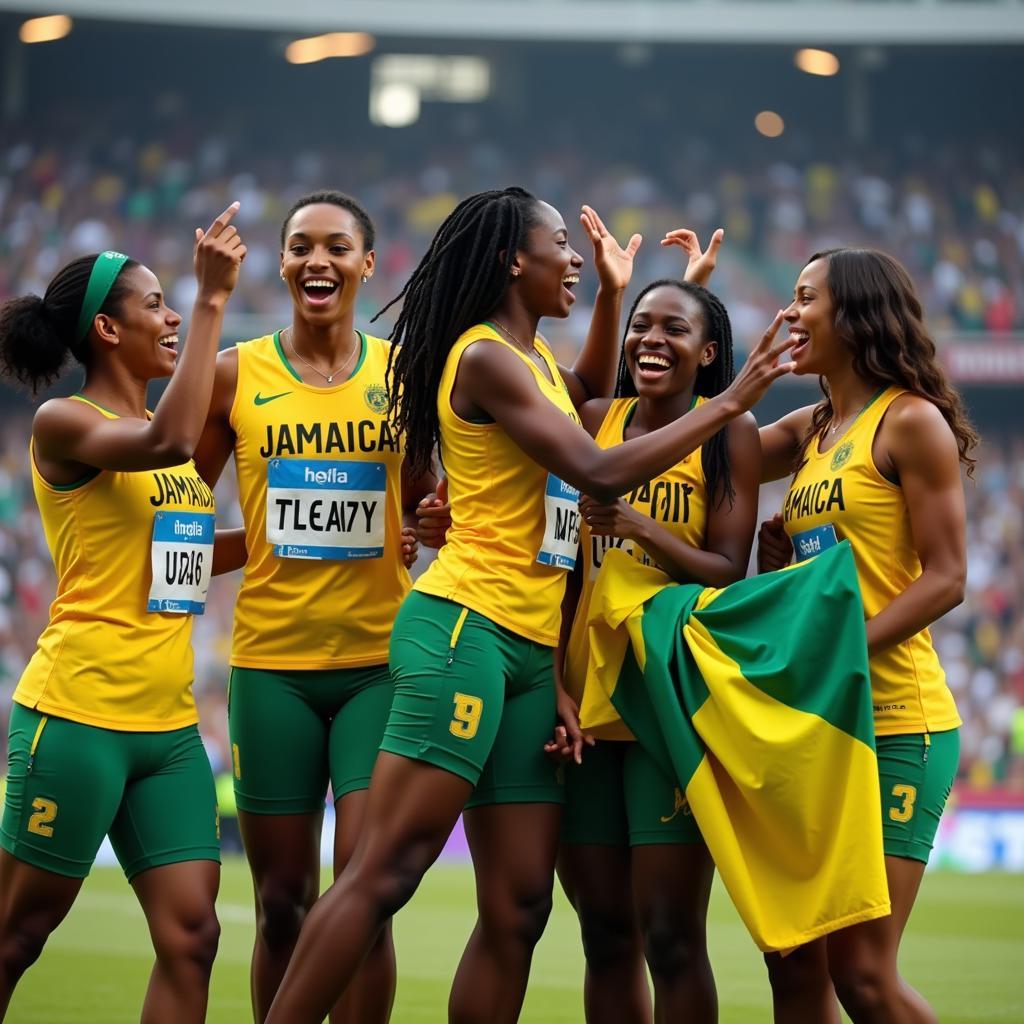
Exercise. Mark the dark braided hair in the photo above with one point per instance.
(879, 321)
(458, 283)
(333, 198)
(710, 380)
(39, 335)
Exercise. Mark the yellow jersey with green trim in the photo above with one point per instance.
(133, 554)
(840, 494)
(515, 526)
(676, 500)
(320, 485)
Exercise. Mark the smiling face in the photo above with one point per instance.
(547, 268)
(811, 320)
(323, 261)
(143, 328)
(666, 342)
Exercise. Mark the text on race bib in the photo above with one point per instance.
(182, 561)
(324, 509)
(809, 543)
(561, 524)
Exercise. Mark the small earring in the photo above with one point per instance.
(365, 279)
(515, 273)
(282, 275)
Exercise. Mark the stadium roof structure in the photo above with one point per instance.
(890, 22)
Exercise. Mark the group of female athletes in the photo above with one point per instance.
(461, 695)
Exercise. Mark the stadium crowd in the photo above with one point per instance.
(955, 217)
(981, 643)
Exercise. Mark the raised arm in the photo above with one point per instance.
(497, 382)
(67, 431)
(218, 438)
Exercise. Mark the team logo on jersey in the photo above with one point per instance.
(841, 456)
(376, 398)
(681, 804)
(263, 399)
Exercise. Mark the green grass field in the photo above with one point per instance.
(965, 949)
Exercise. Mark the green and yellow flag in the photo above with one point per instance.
(756, 698)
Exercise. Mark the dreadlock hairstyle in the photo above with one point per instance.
(710, 380)
(39, 335)
(333, 198)
(878, 319)
(458, 283)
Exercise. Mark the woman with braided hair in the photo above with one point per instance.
(632, 860)
(472, 648)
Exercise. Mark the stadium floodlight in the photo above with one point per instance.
(45, 30)
(394, 104)
(331, 44)
(817, 62)
(770, 124)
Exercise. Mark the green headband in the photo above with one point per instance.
(104, 273)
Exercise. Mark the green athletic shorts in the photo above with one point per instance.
(70, 784)
(292, 731)
(620, 796)
(916, 774)
(475, 699)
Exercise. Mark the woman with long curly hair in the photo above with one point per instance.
(876, 462)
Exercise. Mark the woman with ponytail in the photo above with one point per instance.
(103, 731)
(472, 648)
(632, 860)
(877, 463)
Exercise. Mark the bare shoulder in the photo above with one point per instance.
(57, 417)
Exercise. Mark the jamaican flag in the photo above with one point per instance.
(756, 699)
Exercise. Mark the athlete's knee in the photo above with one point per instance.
(609, 937)
(802, 971)
(21, 943)
(673, 950)
(189, 941)
(520, 916)
(281, 907)
(864, 986)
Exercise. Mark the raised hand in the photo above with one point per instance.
(774, 548)
(699, 263)
(218, 255)
(614, 264)
(762, 368)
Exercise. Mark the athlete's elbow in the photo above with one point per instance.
(956, 588)
(173, 451)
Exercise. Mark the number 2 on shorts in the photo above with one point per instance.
(466, 719)
(46, 811)
(906, 811)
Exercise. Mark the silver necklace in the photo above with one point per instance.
(832, 430)
(329, 377)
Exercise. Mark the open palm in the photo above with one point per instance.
(614, 264)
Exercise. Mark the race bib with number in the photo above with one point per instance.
(561, 524)
(809, 543)
(182, 558)
(327, 510)
(600, 545)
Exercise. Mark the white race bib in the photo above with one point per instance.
(328, 510)
(182, 559)
(561, 524)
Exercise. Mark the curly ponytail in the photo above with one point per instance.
(38, 335)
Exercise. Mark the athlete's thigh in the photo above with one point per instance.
(169, 810)
(449, 665)
(357, 728)
(518, 770)
(278, 742)
(595, 805)
(64, 785)
(656, 807)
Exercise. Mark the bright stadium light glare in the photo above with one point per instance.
(817, 62)
(45, 30)
(394, 105)
(770, 124)
(331, 44)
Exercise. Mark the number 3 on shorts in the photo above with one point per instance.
(46, 811)
(906, 811)
(466, 719)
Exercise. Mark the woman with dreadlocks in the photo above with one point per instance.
(632, 860)
(472, 648)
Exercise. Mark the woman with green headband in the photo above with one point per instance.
(103, 732)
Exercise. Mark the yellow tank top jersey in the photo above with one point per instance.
(677, 500)
(319, 481)
(515, 526)
(840, 494)
(133, 554)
